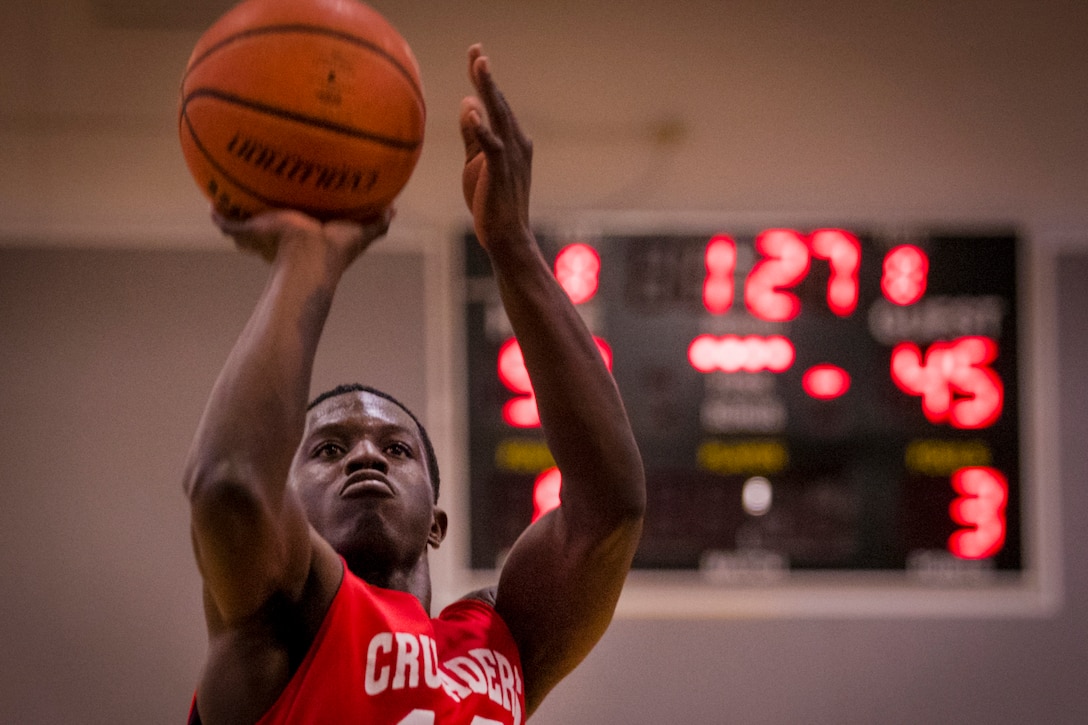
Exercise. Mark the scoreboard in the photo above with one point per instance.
(804, 398)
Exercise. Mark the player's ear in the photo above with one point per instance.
(439, 523)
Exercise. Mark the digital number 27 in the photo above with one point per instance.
(785, 260)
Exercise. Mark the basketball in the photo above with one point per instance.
(315, 105)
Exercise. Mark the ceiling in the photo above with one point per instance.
(161, 14)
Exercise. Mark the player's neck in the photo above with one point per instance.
(415, 581)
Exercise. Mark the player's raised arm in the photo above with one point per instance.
(250, 535)
(559, 586)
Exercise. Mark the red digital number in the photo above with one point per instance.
(521, 411)
(786, 259)
(980, 506)
(785, 263)
(732, 353)
(578, 269)
(954, 380)
(721, 263)
(842, 250)
(825, 382)
(546, 492)
(905, 276)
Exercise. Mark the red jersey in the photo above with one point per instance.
(379, 659)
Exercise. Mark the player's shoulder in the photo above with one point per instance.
(487, 595)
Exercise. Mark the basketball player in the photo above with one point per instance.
(312, 528)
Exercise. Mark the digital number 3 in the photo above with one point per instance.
(980, 506)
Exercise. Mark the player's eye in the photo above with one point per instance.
(399, 449)
(328, 450)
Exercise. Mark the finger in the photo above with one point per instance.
(370, 227)
(379, 225)
(228, 226)
(472, 118)
(488, 142)
(474, 52)
(233, 226)
(478, 138)
(498, 111)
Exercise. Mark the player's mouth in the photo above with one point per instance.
(366, 483)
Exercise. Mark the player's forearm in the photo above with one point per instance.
(580, 407)
(255, 415)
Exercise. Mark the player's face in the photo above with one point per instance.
(361, 474)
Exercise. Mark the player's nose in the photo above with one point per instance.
(365, 454)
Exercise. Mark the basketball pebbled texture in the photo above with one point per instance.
(314, 105)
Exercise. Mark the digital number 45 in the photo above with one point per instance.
(953, 379)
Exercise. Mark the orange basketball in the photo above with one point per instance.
(314, 105)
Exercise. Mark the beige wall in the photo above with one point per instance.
(118, 303)
(932, 110)
(107, 357)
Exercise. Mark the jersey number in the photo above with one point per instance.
(426, 717)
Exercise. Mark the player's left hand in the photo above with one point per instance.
(498, 159)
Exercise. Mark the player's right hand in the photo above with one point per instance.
(267, 233)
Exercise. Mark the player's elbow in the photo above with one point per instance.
(616, 508)
(204, 477)
(227, 514)
(217, 486)
(629, 509)
(629, 500)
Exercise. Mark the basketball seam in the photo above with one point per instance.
(299, 118)
(315, 29)
(267, 200)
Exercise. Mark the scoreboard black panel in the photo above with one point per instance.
(804, 399)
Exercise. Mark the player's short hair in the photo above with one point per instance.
(428, 447)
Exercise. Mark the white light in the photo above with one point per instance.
(756, 496)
